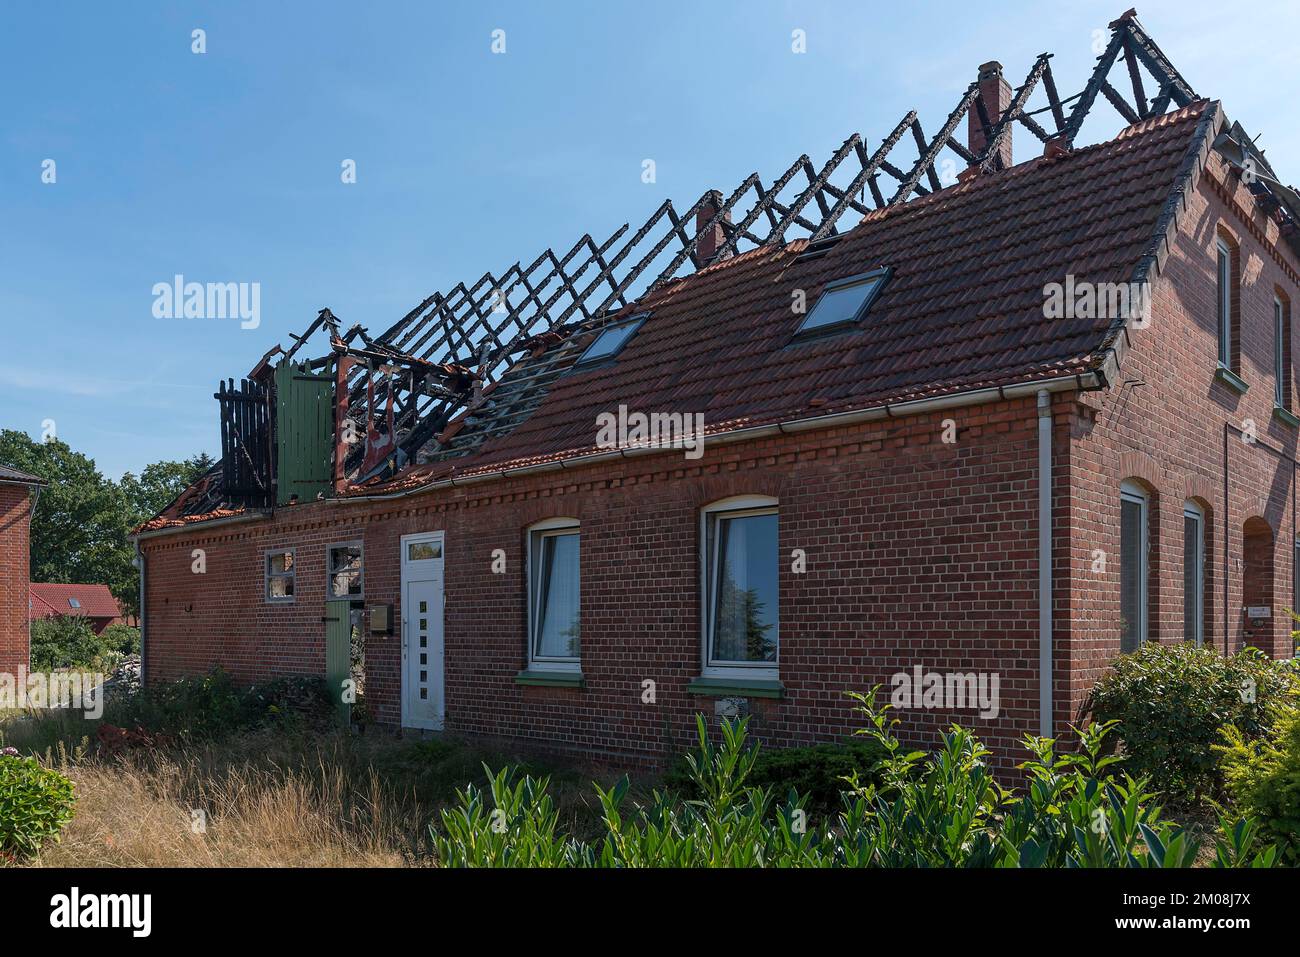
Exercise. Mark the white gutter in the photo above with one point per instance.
(1045, 668)
(1089, 380)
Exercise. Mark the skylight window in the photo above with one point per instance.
(74, 603)
(611, 341)
(844, 302)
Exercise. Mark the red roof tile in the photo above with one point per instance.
(94, 601)
(963, 308)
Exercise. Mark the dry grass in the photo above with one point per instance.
(267, 799)
(142, 814)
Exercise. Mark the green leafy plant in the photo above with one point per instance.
(214, 705)
(818, 773)
(67, 641)
(1169, 702)
(918, 809)
(1263, 779)
(122, 639)
(36, 803)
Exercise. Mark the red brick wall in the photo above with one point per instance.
(1163, 424)
(15, 557)
(919, 553)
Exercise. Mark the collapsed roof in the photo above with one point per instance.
(482, 376)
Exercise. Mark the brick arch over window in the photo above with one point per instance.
(1228, 300)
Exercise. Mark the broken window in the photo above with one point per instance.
(344, 570)
(279, 575)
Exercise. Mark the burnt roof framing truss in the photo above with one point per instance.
(448, 358)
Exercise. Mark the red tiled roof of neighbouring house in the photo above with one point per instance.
(92, 601)
(962, 310)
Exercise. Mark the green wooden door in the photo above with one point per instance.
(338, 655)
(304, 432)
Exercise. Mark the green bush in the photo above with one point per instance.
(925, 810)
(122, 639)
(818, 773)
(67, 641)
(213, 705)
(35, 805)
(1263, 779)
(1170, 703)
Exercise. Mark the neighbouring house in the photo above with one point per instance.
(92, 602)
(18, 494)
(963, 426)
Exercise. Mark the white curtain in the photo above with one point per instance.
(558, 634)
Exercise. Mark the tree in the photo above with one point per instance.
(159, 484)
(79, 531)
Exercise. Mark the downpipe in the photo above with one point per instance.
(1045, 668)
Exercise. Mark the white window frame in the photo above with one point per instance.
(329, 571)
(267, 576)
(1279, 354)
(1132, 492)
(737, 506)
(536, 533)
(1194, 511)
(1223, 273)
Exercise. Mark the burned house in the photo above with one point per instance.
(935, 440)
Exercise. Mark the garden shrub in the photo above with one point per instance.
(1170, 703)
(36, 803)
(67, 641)
(213, 705)
(1263, 780)
(817, 773)
(924, 810)
(122, 639)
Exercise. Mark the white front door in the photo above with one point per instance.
(423, 705)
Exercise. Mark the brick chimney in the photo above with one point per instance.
(995, 94)
(706, 250)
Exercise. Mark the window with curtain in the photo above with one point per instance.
(1193, 573)
(1133, 567)
(741, 598)
(554, 621)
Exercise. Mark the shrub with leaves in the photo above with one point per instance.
(1263, 779)
(1169, 703)
(36, 803)
(818, 773)
(940, 809)
(67, 641)
(214, 705)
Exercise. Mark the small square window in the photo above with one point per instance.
(345, 571)
(610, 341)
(844, 302)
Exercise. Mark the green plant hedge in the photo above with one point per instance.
(816, 772)
(214, 705)
(36, 803)
(1263, 779)
(1171, 702)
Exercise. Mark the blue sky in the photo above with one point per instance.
(225, 166)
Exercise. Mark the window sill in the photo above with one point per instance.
(736, 687)
(1287, 416)
(551, 679)
(1231, 379)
